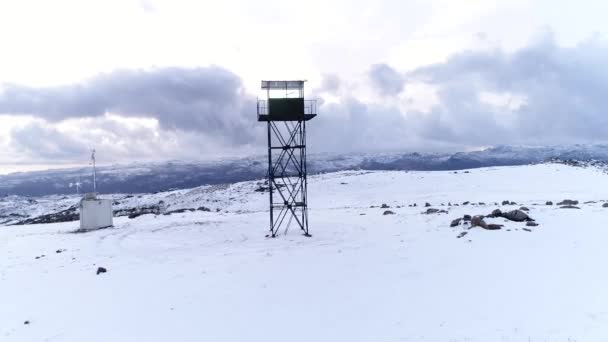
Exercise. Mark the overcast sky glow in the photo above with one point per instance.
(147, 80)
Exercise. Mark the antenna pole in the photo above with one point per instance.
(94, 171)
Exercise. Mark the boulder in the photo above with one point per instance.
(465, 203)
(605, 205)
(434, 211)
(388, 212)
(516, 215)
(101, 270)
(548, 203)
(467, 217)
(461, 235)
(531, 224)
(492, 226)
(569, 207)
(456, 222)
(427, 204)
(568, 202)
(505, 202)
(524, 209)
(477, 221)
(384, 206)
(496, 213)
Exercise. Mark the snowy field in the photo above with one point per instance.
(363, 276)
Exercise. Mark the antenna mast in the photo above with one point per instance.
(94, 171)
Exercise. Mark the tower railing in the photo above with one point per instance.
(310, 107)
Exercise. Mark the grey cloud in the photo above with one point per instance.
(208, 100)
(330, 83)
(43, 142)
(46, 143)
(564, 91)
(386, 79)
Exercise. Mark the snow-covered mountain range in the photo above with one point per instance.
(163, 176)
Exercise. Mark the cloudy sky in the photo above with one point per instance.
(144, 80)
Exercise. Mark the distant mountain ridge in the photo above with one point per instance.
(162, 176)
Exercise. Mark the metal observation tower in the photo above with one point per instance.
(285, 111)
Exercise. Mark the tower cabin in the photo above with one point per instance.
(285, 102)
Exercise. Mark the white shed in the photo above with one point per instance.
(95, 212)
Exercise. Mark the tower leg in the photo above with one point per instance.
(287, 175)
(270, 181)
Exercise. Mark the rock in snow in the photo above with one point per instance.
(434, 211)
(493, 226)
(477, 221)
(569, 207)
(516, 215)
(496, 213)
(456, 222)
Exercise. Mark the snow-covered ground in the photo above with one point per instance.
(363, 276)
